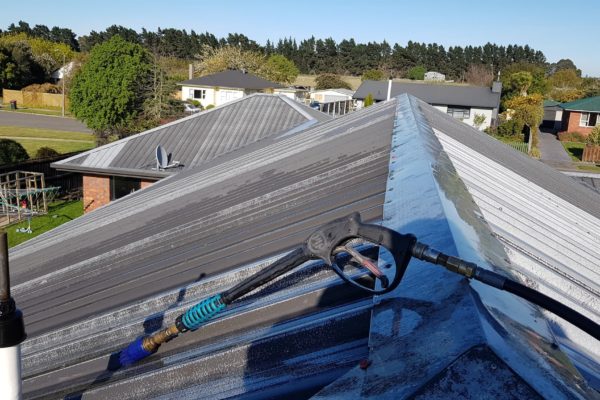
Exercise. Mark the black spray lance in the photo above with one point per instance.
(331, 240)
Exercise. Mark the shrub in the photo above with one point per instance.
(42, 88)
(195, 102)
(12, 152)
(330, 81)
(571, 137)
(369, 100)
(594, 137)
(478, 120)
(417, 73)
(208, 107)
(372, 75)
(46, 152)
(512, 127)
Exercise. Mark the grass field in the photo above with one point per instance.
(58, 213)
(32, 139)
(575, 150)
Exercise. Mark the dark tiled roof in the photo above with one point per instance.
(199, 138)
(233, 79)
(588, 104)
(435, 94)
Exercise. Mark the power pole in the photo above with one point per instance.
(64, 75)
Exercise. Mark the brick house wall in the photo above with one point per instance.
(96, 192)
(570, 123)
(144, 184)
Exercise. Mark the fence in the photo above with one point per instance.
(520, 146)
(68, 181)
(591, 154)
(34, 99)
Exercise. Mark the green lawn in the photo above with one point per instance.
(58, 213)
(63, 142)
(42, 111)
(575, 150)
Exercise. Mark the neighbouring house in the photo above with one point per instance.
(581, 115)
(463, 102)
(223, 87)
(552, 115)
(119, 168)
(331, 95)
(434, 76)
(63, 71)
(90, 287)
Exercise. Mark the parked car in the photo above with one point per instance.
(315, 105)
(190, 108)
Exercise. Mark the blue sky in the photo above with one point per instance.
(561, 29)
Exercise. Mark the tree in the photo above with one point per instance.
(12, 152)
(110, 89)
(47, 54)
(594, 137)
(416, 73)
(478, 120)
(530, 111)
(229, 57)
(331, 81)
(520, 82)
(277, 68)
(372, 75)
(479, 74)
(18, 68)
(369, 100)
(566, 85)
(561, 65)
(539, 83)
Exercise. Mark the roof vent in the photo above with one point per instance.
(163, 160)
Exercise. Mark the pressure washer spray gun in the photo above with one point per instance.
(338, 245)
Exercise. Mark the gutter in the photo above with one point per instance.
(124, 172)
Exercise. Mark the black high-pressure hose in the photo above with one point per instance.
(472, 271)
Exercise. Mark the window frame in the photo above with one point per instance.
(454, 111)
(587, 119)
(136, 183)
(202, 94)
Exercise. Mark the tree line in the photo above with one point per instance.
(312, 55)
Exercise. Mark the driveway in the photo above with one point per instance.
(11, 118)
(553, 153)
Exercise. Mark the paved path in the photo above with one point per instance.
(8, 118)
(553, 153)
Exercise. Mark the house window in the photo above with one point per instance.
(584, 119)
(198, 94)
(121, 186)
(459, 112)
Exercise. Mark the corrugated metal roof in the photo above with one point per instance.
(199, 138)
(88, 287)
(233, 79)
(130, 259)
(435, 94)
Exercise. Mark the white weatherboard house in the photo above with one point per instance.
(223, 87)
(463, 102)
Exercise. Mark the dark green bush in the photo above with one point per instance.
(46, 152)
(12, 152)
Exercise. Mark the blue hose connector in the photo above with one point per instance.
(133, 353)
(202, 312)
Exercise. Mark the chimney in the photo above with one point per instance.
(190, 71)
(389, 91)
(497, 87)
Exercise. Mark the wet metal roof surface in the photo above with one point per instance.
(89, 287)
(199, 138)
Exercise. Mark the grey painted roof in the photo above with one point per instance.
(232, 79)
(88, 287)
(199, 138)
(435, 94)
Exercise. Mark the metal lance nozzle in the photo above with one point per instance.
(12, 331)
